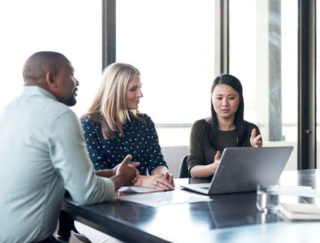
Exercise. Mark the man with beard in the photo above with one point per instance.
(43, 152)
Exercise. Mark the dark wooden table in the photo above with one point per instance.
(227, 218)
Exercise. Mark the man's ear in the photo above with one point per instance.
(50, 80)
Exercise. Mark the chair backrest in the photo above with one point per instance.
(184, 173)
(173, 155)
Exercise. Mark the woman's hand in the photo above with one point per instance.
(255, 141)
(157, 181)
(167, 176)
(204, 171)
(216, 162)
(163, 171)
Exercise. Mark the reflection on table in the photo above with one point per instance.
(227, 218)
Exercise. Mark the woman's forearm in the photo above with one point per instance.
(160, 169)
(203, 171)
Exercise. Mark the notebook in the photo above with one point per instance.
(242, 168)
(300, 211)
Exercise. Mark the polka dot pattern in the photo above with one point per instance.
(139, 139)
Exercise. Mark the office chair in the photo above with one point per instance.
(183, 172)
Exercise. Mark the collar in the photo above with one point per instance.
(36, 90)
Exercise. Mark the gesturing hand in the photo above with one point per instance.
(255, 141)
(127, 170)
(216, 162)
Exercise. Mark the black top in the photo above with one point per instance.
(139, 139)
(202, 152)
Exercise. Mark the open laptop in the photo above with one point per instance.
(242, 168)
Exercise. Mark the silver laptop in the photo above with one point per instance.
(242, 168)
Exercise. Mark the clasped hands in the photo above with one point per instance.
(161, 179)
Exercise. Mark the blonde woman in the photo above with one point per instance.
(114, 128)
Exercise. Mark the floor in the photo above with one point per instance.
(72, 239)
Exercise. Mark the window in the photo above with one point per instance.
(71, 27)
(172, 44)
(263, 55)
(317, 81)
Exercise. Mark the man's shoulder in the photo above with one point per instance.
(48, 111)
(37, 107)
(55, 108)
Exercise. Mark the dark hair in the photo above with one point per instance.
(39, 63)
(238, 120)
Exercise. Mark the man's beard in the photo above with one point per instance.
(71, 101)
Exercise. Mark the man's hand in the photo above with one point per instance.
(125, 172)
(112, 172)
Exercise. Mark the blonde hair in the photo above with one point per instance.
(110, 100)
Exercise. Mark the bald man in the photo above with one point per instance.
(43, 152)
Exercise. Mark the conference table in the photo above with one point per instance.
(221, 218)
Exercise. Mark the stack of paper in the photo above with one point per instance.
(300, 211)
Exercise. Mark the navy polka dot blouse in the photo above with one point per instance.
(139, 139)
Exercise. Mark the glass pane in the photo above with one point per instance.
(71, 27)
(263, 55)
(171, 42)
(318, 84)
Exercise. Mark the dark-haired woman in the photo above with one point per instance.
(225, 128)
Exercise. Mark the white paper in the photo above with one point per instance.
(136, 189)
(157, 199)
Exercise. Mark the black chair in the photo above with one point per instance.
(184, 173)
(66, 227)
